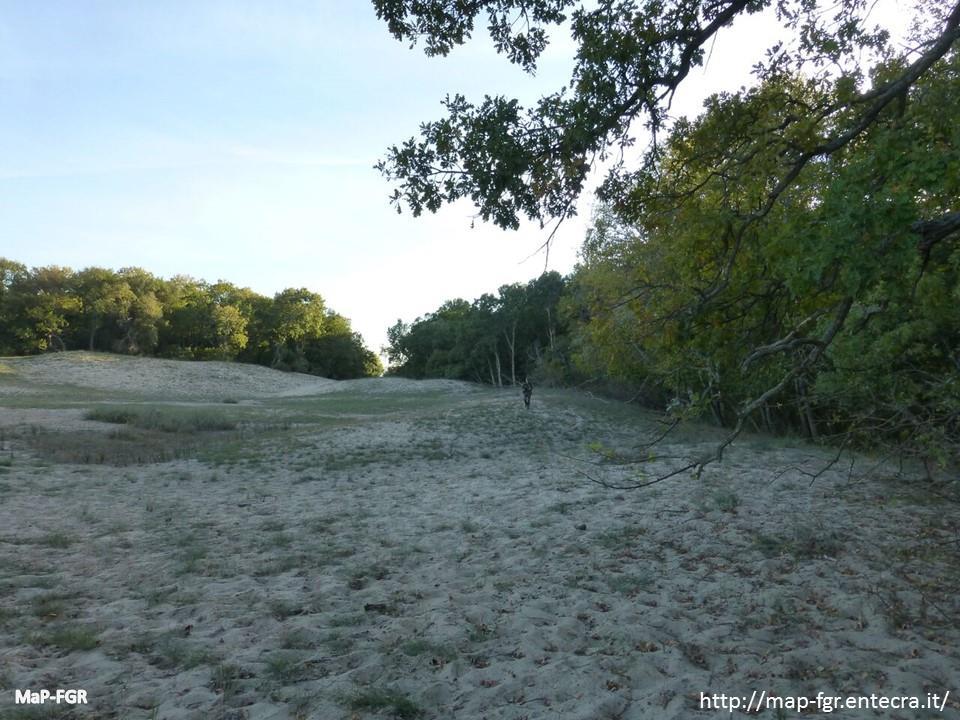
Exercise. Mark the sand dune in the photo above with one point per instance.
(390, 548)
(175, 379)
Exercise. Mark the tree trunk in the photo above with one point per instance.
(806, 412)
(511, 342)
(765, 414)
(499, 376)
(717, 415)
(93, 331)
(550, 333)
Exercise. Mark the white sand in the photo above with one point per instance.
(451, 553)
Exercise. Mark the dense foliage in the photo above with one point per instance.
(787, 260)
(832, 318)
(829, 314)
(131, 311)
(632, 55)
(495, 339)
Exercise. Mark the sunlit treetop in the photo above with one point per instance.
(517, 162)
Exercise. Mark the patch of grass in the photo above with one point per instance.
(158, 596)
(165, 419)
(620, 538)
(480, 632)
(71, 638)
(626, 584)
(804, 543)
(338, 644)
(190, 558)
(225, 679)
(282, 609)
(284, 564)
(281, 540)
(726, 500)
(58, 540)
(50, 606)
(120, 448)
(350, 620)
(298, 639)
(285, 668)
(322, 524)
(416, 648)
(375, 699)
(172, 652)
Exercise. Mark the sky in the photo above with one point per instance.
(235, 140)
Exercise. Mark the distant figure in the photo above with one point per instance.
(527, 392)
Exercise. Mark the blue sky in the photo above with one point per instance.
(235, 140)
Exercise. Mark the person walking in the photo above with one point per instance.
(527, 392)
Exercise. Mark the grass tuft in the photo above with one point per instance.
(377, 699)
(167, 419)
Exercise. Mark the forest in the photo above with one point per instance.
(833, 312)
(131, 311)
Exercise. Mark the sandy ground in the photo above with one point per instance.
(177, 380)
(402, 549)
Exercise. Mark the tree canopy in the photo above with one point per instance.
(786, 260)
(515, 162)
(496, 339)
(132, 311)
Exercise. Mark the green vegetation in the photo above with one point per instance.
(803, 543)
(165, 419)
(225, 680)
(286, 667)
(726, 500)
(171, 652)
(134, 312)
(377, 699)
(627, 584)
(70, 638)
(495, 339)
(59, 540)
(416, 648)
(787, 261)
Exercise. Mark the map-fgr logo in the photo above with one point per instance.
(39, 697)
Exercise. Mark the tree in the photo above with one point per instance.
(632, 56)
(830, 318)
(12, 277)
(140, 329)
(496, 338)
(200, 322)
(41, 305)
(105, 297)
(762, 232)
(296, 316)
(132, 311)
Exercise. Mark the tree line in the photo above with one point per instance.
(832, 313)
(134, 312)
(786, 260)
(496, 339)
